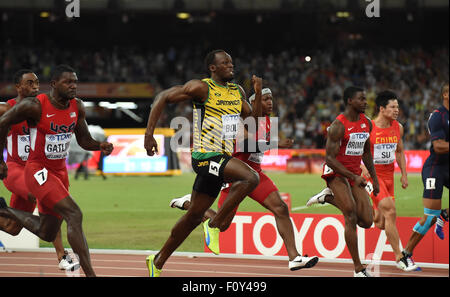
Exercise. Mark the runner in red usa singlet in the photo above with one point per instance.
(352, 145)
(53, 119)
(45, 171)
(18, 147)
(347, 145)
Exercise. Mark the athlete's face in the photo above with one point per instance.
(391, 110)
(267, 104)
(66, 85)
(28, 86)
(223, 66)
(445, 93)
(358, 102)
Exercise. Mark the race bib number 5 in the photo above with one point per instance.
(214, 168)
(41, 176)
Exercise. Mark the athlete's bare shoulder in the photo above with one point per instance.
(195, 90)
(336, 130)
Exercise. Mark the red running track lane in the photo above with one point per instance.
(43, 264)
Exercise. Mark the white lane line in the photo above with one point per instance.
(305, 207)
(57, 274)
(315, 269)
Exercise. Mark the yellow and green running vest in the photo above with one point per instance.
(216, 120)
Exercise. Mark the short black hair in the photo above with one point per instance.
(349, 92)
(17, 78)
(383, 98)
(59, 70)
(210, 57)
(444, 86)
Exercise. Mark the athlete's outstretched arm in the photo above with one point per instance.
(28, 109)
(194, 90)
(4, 107)
(368, 162)
(84, 137)
(401, 160)
(246, 110)
(333, 144)
(257, 106)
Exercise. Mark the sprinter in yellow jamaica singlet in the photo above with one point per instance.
(218, 105)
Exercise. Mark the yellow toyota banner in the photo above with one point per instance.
(93, 90)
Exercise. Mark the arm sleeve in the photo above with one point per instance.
(435, 126)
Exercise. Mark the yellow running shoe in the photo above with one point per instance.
(211, 237)
(152, 270)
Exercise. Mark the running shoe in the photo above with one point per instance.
(439, 229)
(406, 264)
(410, 261)
(179, 202)
(211, 237)
(303, 262)
(67, 263)
(362, 273)
(152, 270)
(319, 198)
(440, 222)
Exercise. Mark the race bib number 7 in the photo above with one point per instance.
(41, 176)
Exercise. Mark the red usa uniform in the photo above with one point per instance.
(352, 146)
(18, 147)
(254, 160)
(45, 171)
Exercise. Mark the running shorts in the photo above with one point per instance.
(49, 186)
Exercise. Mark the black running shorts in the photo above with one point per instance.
(209, 172)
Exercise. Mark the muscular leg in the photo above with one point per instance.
(387, 211)
(344, 201)
(244, 180)
(57, 243)
(71, 213)
(200, 202)
(209, 213)
(10, 226)
(364, 210)
(276, 205)
(13, 227)
(44, 226)
(415, 236)
(378, 219)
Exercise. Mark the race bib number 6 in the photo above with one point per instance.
(41, 176)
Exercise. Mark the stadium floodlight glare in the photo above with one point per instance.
(183, 15)
(124, 105)
(343, 14)
(44, 14)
